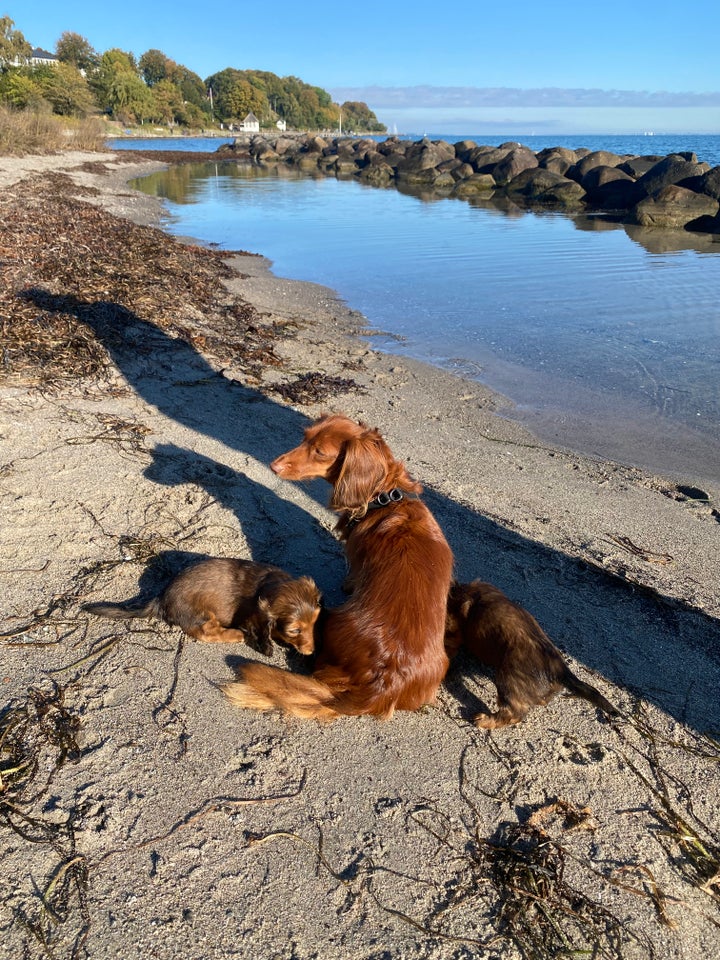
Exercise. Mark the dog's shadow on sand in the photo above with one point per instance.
(650, 645)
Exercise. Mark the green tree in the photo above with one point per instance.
(358, 116)
(119, 88)
(155, 66)
(20, 89)
(14, 48)
(169, 107)
(244, 98)
(65, 88)
(76, 50)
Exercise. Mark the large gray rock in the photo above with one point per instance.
(668, 171)
(463, 148)
(517, 160)
(285, 146)
(483, 159)
(424, 155)
(476, 185)
(534, 182)
(557, 159)
(637, 166)
(598, 158)
(567, 193)
(674, 207)
(616, 195)
(597, 176)
(711, 183)
(377, 173)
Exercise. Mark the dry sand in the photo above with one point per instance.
(187, 829)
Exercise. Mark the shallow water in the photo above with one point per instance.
(606, 338)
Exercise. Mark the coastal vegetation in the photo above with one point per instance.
(79, 82)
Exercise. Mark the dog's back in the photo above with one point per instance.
(388, 638)
(529, 668)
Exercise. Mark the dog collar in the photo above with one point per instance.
(385, 498)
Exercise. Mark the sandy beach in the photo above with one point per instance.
(142, 815)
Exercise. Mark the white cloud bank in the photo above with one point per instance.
(462, 97)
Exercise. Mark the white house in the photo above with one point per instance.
(39, 56)
(250, 124)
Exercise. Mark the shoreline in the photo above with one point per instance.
(235, 833)
(598, 420)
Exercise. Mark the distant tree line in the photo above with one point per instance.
(156, 89)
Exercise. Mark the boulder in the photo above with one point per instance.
(563, 152)
(567, 193)
(377, 174)
(711, 183)
(675, 207)
(285, 146)
(616, 195)
(637, 166)
(393, 145)
(266, 154)
(598, 158)
(534, 182)
(597, 176)
(476, 185)
(345, 166)
(557, 159)
(314, 145)
(483, 159)
(424, 155)
(464, 171)
(668, 171)
(517, 160)
(463, 148)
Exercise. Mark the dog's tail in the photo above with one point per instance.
(263, 687)
(124, 611)
(587, 692)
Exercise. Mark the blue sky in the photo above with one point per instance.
(445, 68)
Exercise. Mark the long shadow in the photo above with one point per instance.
(650, 645)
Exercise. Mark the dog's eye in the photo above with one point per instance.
(321, 454)
(292, 631)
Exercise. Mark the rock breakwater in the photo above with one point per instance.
(671, 192)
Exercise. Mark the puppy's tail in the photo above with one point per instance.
(587, 692)
(262, 687)
(124, 611)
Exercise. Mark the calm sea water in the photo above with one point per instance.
(605, 338)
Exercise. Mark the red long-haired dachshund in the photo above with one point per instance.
(383, 650)
(529, 668)
(223, 600)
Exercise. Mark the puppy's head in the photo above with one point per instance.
(290, 610)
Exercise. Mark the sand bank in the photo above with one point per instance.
(177, 826)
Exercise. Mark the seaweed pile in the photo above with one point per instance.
(72, 267)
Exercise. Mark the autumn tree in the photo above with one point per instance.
(119, 88)
(14, 48)
(76, 50)
(358, 116)
(65, 88)
(20, 90)
(155, 66)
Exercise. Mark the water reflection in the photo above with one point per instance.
(589, 325)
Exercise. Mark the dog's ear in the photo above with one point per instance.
(259, 627)
(313, 593)
(266, 624)
(363, 469)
